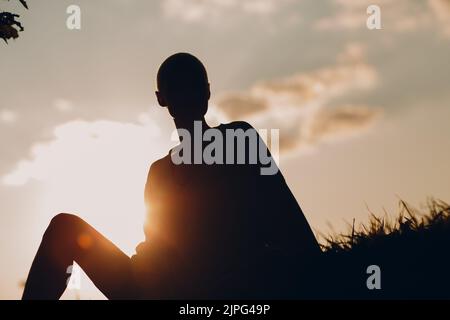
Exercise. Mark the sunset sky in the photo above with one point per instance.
(363, 114)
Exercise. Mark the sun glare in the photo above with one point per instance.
(96, 170)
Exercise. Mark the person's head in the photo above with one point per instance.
(183, 87)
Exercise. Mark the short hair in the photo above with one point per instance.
(182, 76)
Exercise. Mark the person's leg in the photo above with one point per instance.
(67, 239)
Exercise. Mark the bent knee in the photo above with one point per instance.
(66, 220)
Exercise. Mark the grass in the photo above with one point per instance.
(412, 251)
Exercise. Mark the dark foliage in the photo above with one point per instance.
(411, 252)
(9, 25)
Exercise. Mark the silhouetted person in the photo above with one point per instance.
(213, 230)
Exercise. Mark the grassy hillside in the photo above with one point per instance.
(412, 252)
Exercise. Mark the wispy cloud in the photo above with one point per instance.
(80, 149)
(301, 104)
(331, 123)
(396, 15)
(63, 105)
(441, 10)
(8, 116)
(96, 169)
(211, 10)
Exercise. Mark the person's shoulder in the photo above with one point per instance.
(160, 166)
(235, 125)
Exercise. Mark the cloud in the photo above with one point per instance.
(303, 89)
(95, 169)
(298, 91)
(212, 10)
(353, 52)
(341, 121)
(326, 124)
(322, 84)
(80, 149)
(241, 104)
(301, 105)
(441, 10)
(348, 15)
(396, 15)
(8, 116)
(63, 105)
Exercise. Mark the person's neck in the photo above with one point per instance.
(190, 124)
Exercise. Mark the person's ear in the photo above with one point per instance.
(161, 100)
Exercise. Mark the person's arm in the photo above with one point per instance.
(289, 228)
(142, 246)
(286, 225)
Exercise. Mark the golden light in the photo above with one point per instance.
(96, 170)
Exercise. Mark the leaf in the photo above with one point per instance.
(24, 3)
